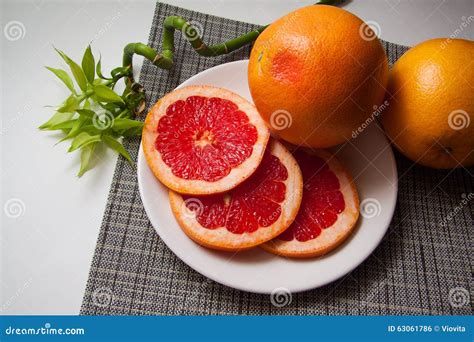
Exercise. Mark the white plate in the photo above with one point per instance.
(370, 160)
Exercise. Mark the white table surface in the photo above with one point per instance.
(46, 251)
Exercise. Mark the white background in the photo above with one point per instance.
(46, 252)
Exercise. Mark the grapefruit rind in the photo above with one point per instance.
(331, 237)
(200, 187)
(221, 238)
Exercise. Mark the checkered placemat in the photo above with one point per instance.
(423, 266)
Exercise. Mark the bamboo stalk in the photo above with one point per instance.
(165, 59)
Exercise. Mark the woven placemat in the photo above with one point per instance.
(423, 266)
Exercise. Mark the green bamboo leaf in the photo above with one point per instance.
(132, 132)
(63, 76)
(118, 147)
(83, 139)
(87, 104)
(91, 129)
(56, 119)
(70, 105)
(76, 70)
(87, 113)
(111, 107)
(99, 81)
(106, 94)
(86, 154)
(120, 124)
(98, 70)
(64, 125)
(75, 129)
(88, 64)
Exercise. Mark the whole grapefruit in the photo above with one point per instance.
(316, 74)
(431, 103)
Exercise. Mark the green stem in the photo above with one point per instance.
(123, 113)
(165, 59)
(89, 92)
(173, 23)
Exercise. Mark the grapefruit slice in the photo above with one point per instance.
(329, 209)
(254, 212)
(203, 140)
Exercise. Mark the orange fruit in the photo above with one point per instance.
(252, 213)
(328, 212)
(203, 140)
(316, 74)
(430, 117)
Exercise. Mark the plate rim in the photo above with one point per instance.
(141, 162)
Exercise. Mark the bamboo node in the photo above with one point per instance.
(200, 47)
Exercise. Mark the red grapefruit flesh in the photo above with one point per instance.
(329, 209)
(254, 212)
(203, 140)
